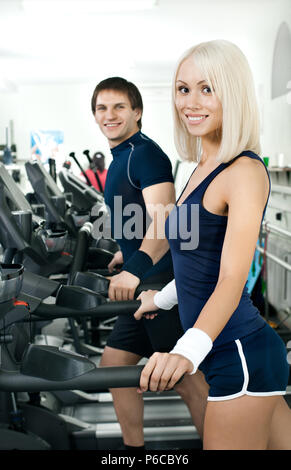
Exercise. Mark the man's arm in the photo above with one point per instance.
(159, 200)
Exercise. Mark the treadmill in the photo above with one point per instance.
(84, 197)
(73, 207)
(29, 372)
(44, 244)
(27, 235)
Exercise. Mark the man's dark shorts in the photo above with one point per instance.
(144, 337)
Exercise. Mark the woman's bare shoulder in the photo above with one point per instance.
(247, 175)
(246, 168)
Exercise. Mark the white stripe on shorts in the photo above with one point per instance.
(244, 390)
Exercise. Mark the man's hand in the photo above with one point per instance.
(117, 259)
(122, 286)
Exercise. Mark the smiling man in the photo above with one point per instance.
(139, 176)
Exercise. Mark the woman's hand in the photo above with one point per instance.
(117, 259)
(162, 372)
(147, 305)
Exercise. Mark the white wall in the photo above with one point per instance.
(66, 106)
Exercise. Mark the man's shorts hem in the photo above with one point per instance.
(125, 348)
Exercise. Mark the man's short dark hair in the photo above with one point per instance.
(122, 85)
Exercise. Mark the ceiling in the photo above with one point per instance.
(73, 41)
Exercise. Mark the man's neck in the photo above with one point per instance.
(115, 143)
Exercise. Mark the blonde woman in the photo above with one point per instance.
(244, 361)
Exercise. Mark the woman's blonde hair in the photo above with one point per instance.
(227, 72)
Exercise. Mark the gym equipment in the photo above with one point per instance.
(80, 414)
(44, 247)
(94, 169)
(81, 293)
(56, 207)
(24, 234)
(48, 193)
(26, 238)
(27, 368)
(84, 197)
(76, 423)
(73, 156)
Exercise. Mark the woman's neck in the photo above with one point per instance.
(209, 152)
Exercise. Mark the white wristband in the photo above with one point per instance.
(195, 344)
(167, 297)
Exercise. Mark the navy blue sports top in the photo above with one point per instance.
(137, 163)
(196, 270)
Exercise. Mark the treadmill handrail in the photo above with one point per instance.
(98, 379)
(106, 310)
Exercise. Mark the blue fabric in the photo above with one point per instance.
(253, 365)
(197, 270)
(137, 163)
(138, 264)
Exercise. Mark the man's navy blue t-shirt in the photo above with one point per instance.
(137, 163)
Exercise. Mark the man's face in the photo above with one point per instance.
(115, 116)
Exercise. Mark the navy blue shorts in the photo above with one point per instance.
(254, 365)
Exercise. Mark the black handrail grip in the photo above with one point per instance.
(98, 379)
(106, 310)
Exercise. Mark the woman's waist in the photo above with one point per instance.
(245, 318)
(197, 294)
(200, 282)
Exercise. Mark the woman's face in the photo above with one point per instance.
(198, 108)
